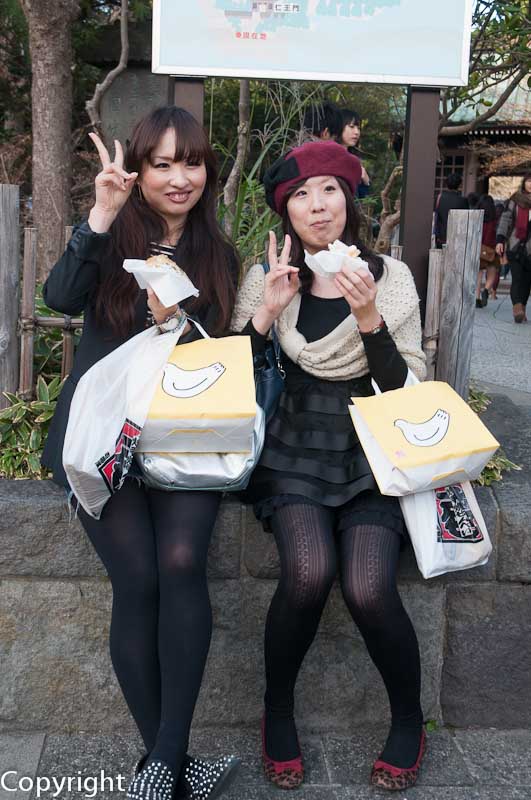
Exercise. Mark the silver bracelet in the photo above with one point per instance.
(172, 322)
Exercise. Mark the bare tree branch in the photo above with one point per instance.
(93, 105)
(230, 191)
(459, 130)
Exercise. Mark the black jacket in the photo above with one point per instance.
(71, 288)
(448, 200)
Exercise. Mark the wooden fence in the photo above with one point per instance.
(29, 321)
(447, 335)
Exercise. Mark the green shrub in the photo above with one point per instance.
(23, 430)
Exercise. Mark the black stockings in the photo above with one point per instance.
(367, 556)
(154, 547)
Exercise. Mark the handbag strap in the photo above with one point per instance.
(199, 327)
(274, 335)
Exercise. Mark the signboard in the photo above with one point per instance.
(417, 42)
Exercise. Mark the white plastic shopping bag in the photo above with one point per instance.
(107, 414)
(447, 529)
(421, 436)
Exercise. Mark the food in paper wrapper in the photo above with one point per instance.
(328, 263)
(169, 282)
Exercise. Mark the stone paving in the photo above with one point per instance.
(501, 353)
(459, 765)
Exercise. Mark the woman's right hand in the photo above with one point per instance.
(281, 285)
(500, 248)
(113, 186)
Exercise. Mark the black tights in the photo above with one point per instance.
(367, 556)
(154, 547)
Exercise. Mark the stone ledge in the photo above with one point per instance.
(41, 539)
(486, 679)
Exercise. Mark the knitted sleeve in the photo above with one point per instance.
(249, 298)
(408, 335)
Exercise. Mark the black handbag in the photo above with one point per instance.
(269, 374)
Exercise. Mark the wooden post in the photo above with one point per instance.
(189, 93)
(433, 306)
(418, 186)
(458, 298)
(27, 313)
(9, 289)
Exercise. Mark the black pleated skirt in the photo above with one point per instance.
(312, 454)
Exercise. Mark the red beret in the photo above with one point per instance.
(308, 161)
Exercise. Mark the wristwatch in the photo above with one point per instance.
(376, 329)
(173, 322)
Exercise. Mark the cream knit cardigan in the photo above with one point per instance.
(341, 355)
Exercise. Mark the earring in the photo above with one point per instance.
(140, 192)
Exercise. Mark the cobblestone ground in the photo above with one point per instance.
(501, 353)
(459, 765)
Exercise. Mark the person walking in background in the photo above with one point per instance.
(449, 199)
(488, 261)
(513, 238)
(350, 138)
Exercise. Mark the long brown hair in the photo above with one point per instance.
(203, 251)
(349, 236)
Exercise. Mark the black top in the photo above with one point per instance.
(71, 288)
(448, 200)
(311, 452)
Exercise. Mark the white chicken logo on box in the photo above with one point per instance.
(182, 383)
(428, 433)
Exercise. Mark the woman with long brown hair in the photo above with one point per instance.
(313, 487)
(160, 199)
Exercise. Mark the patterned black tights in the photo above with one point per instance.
(367, 556)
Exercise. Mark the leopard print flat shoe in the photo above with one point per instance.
(397, 779)
(284, 774)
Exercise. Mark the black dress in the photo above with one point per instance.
(312, 453)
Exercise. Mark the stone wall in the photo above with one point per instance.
(473, 627)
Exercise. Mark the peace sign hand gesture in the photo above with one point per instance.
(113, 186)
(281, 285)
(282, 281)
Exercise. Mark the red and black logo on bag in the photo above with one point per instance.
(113, 467)
(455, 519)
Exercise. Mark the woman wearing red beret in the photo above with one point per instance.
(313, 487)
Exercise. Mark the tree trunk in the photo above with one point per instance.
(49, 23)
(230, 193)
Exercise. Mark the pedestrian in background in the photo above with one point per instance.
(449, 199)
(350, 138)
(488, 261)
(513, 238)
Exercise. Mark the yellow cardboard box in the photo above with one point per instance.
(205, 400)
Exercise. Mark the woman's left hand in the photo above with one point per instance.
(160, 312)
(358, 287)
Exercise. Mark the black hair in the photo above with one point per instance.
(473, 199)
(454, 181)
(526, 177)
(319, 117)
(486, 203)
(348, 115)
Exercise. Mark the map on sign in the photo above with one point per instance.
(422, 42)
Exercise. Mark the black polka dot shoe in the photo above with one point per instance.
(156, 781)
(206, 780)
